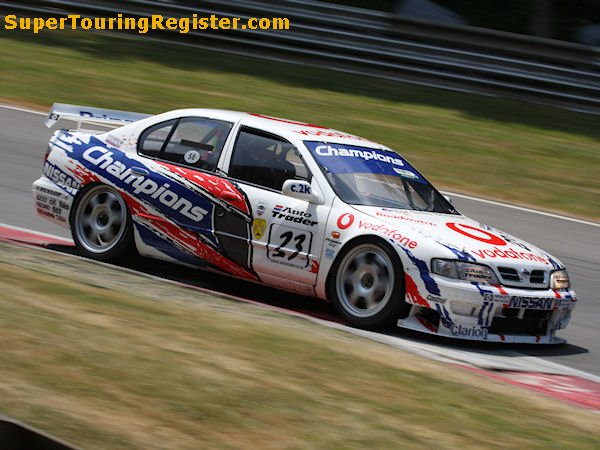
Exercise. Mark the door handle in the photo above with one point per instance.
(139, 171)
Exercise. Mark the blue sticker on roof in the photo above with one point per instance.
(338, 158)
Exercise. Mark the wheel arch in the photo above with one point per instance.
(125, 248)
(374, 238)
(357, 240)
(77, 197)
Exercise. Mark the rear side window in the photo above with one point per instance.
(152, 139)
(190, 141)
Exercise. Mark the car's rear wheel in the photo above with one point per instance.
(101, 225)
(367, 287)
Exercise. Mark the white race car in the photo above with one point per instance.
(302, 208)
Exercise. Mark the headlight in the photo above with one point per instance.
(477, 273)
(559, 280)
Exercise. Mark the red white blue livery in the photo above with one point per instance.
(298, 207)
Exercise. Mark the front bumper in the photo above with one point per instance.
(481, 312)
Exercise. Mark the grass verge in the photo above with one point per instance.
(496, 148)
(116, 360)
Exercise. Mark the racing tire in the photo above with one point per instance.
(101, 225)
(366, 285)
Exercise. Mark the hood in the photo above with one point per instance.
(466, 239)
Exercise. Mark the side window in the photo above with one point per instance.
(197, 142)
(189, 141)
(294, 158)
(152, 139)
(266, 160)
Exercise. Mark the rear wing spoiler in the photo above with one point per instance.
(109, 118)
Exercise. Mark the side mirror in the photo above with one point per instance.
(302, 190)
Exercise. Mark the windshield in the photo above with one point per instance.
(374, 177)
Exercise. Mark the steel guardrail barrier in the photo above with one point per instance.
(378, 44)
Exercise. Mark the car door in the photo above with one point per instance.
(287, 233)
(195, 212)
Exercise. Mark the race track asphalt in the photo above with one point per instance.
(23, 139)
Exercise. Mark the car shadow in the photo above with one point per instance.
(234, 287)
(320, 309)
(482, 347)
(554, 350)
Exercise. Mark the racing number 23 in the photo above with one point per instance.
(286, 238)
(290, 246)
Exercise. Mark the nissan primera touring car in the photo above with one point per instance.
(302, 208)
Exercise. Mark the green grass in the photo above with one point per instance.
(173, 368)
(508, 150)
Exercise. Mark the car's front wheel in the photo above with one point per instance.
(101, 225)
(366, 285)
